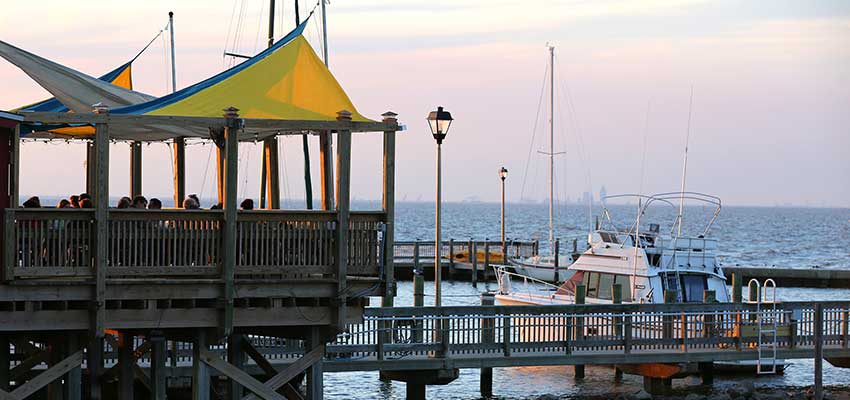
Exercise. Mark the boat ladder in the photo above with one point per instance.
(767, 319)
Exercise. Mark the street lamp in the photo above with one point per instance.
(503, 174)
(439, 121)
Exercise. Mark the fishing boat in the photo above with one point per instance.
(547, 267)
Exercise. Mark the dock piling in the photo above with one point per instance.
(581, 291)
(557, 250)
(488, 336)
(473, 256)
(452, 259)
(486, 259)
(157, 371)
(818, 338)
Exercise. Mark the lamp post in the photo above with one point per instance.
(439, 121)
(503, 174)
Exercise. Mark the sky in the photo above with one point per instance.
(769, 114)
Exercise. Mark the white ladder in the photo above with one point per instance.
(767, 325)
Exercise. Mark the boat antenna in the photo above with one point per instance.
(685, 164)
(551, 148)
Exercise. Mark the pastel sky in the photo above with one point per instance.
(771, 81)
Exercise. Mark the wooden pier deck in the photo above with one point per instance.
(794, 277)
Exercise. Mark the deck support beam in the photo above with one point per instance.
(388, 206)
(315, 380)
(236, 358)
(179, 162)
(101, 214)
(135, 169)
(5, 371)
(343, 203)
(94, 362)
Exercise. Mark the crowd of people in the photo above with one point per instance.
(84, 200)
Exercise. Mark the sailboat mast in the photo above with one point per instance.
(552, 149)
(325, 32)
(173, 64)
(685, 164)
(271, 22)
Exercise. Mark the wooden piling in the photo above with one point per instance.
(387, 203)
(488, 336)
(473, 257)
(418, 301)
(315, 380)
(486, 259)
(452, 259)
(818, 338)
(179, 163)
(617, 298)
(228, 267)
(343, 211)
(157, 370)
(581, 291)
(5, 372)
(200, 370)
(236, 357)
(126, 363)
(94, 361)
(670, 297)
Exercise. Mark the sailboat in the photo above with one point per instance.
(543, 267)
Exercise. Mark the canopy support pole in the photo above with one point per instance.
(343, 210)
(135, 169)
(388, 206)
(230, 205)
(271, 171)
(179, 147)
(219, 155)
(327, 163)
(91, 179)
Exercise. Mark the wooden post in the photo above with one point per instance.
(4, 362)
(670, 297)
(271, 164)
(387, 202)
(473, 256)
(200, 370)
(488, 336)
(236, 357)
(557, 251)
(220, 172)
(452, 259)
(314, 373)
(418, 301)
(737, 286)
(343, 204)
(94, 354)
(706, 369)
(818, 351)
(135, 168)
(54, 388)
(486, 259)
(179, 162)
(414, 391)
(101, 198)
(416, 266)
(91, 168)
(327, 164)
(157, 370)
(617, 298)
(126, 361)
(228, 267)
(536, 247)
(581, 291)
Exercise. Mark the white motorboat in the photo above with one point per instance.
(646, 263)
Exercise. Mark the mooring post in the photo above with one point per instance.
(416, 265)
(709, 329)
(418, 301)
(228, 264)
(74, 378)
(473, 257)
(737, 298)
(670, 297)
(486, 259)
(557, 250)
(452, 259)
(488, 336)
(818, 351)
(581, 291)
(617, 298)
(157, 370)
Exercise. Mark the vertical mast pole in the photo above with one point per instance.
(326, 138)
(551, 148)
(271, 22)
(179, 144)
(325, 32)
(271, 166)
(685, 164)
(308, 184)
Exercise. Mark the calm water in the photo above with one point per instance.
(793, 237)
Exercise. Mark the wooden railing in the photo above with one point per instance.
(422, 251)
(60, 243)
